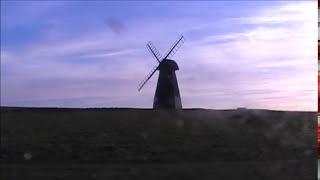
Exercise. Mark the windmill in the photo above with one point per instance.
(167, 95)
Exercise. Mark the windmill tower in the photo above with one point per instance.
(167, 95)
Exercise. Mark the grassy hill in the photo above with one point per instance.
(139, 143)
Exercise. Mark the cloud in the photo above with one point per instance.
(116, 25)
(292, 12)
(236, 65)
(104, 55)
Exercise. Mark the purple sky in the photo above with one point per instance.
(92, 54)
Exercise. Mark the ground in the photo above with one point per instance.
(59, 143)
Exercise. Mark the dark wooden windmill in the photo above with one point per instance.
(167, 95)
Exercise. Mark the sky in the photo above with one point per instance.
(254, 54)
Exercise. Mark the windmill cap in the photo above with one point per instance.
(168, 64)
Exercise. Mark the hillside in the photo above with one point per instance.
(138, 143)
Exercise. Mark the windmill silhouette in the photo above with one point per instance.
(167, 95)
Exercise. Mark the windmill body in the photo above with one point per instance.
(167, 95)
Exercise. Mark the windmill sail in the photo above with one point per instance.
(175, 47)
(142, 83)
(153, 50)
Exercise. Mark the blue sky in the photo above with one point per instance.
(92, 54)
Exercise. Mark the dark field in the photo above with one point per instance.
(78, 144)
